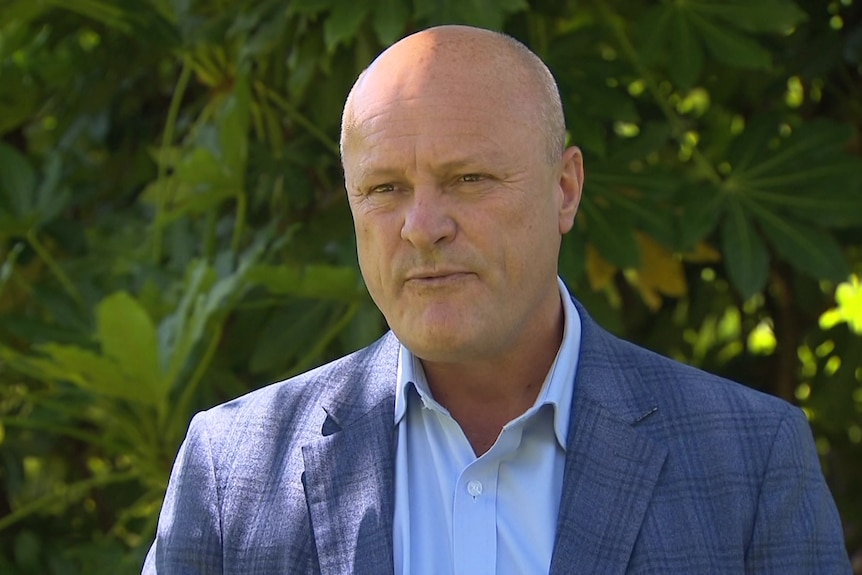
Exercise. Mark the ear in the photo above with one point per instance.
(571, 184)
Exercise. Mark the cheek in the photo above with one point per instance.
(373, 248)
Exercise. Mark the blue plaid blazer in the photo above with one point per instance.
(668, 470)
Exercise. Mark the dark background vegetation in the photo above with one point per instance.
(173, 229)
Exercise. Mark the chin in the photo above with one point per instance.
(442, 348)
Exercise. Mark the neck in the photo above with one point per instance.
(483, 396)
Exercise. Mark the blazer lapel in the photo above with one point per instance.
(350, 471)
(611, 468)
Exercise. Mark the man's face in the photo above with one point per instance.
(458, 214)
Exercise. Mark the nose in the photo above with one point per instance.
(427, 221)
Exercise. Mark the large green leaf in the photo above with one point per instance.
(808, 174)
(128, 338)
(611, 234)
(808, 249)
(17, 182)
(86, 369)
(755, 16)
(677, 33)
(700, 209)
(25, 203)
(745, 257)
(730, 47)
(634, 199)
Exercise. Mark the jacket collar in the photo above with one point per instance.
(349, 473)
(610, 472)
(611, 468)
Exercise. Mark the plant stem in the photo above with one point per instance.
(46, 257)
(241, 207)
(297, 117)
(305, 362)
(167, 139)
(188, 392)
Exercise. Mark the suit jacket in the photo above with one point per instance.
(668, 470)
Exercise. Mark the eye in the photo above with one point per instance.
(470, 178)
(381, 189)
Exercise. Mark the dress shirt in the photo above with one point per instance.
(496, 514)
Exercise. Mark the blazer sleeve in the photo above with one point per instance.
(188, 538)
(797, 528)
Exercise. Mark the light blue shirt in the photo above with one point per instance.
(495, 514)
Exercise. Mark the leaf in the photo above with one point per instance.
(482, 13)
(21, 11)
(266, 37)
(745, 257)
(310, 7)
(87, 370)
(17, 182)
(820, 139)
(652, 137)
(177, 334)
(809, 174)
(343, 23)
(661, 269)
(389, 20)
(572, 260)
(233, 123)
(128, 337)
(687, 60)
(848, 299)
(753, 142)
(652, 32)
(635, 197)
(729, 47)
(615, 241)
(755, 16)
(600, 272)
(19, 96)
(701, 208)
(285, 336)
(303, 62)
(806, 248)
(312, 281)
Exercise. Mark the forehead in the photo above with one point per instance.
(437, 133)
(444, 114)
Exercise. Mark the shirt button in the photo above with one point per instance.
(474, 488)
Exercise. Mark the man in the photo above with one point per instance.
(497, 428)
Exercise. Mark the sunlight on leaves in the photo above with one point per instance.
(848, 297)
(761, 340)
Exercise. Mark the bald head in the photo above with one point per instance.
(495, 67)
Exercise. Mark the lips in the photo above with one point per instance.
(431, 277)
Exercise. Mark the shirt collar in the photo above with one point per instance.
(557, 389)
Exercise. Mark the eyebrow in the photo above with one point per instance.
(447, 167)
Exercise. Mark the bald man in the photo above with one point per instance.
(496, 429)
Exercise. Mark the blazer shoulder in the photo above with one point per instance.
(296, 407)
(688, 390)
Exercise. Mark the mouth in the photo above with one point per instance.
(436, 277)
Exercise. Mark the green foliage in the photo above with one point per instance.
(173, 230)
